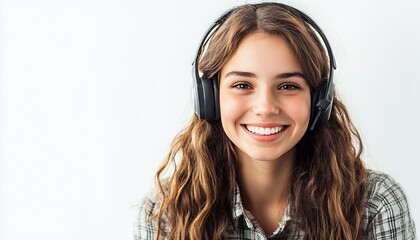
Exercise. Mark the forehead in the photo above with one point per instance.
(263, 53)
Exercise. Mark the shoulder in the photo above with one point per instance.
(387, 212)
(146, 225)
(384, 192)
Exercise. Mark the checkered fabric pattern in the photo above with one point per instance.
(386, 216)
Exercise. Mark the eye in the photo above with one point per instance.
(288, 86)
(241, 86)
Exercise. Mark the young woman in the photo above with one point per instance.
(271, 152)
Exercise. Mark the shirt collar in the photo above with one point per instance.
(238, 209)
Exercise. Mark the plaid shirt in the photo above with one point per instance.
(386, 216)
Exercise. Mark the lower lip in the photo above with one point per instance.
(264, 138)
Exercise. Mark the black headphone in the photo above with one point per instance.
(206, 90)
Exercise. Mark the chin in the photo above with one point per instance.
(265, 156)
(271, 154)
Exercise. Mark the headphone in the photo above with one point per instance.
(206, 90)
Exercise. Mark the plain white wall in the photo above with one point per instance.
(92, 93)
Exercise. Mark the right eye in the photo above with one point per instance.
(241, 86)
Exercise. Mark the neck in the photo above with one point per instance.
(265, 183)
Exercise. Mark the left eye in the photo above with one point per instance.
(288, 87)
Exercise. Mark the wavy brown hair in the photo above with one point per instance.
(328, 180)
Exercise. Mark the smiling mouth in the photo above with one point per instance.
(264, 131)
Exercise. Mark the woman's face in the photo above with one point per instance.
(264, 98)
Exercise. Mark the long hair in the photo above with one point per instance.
(328, 179)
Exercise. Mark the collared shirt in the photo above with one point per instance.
(386, 216)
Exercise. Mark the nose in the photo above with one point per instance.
(266, 104)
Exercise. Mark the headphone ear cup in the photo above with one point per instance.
(198, 95)
(321, 104)
(216, 99)
(314, 100)
(206, 98)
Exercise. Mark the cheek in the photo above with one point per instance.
(230, 107)
(300, 110)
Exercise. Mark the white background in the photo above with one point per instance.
(92, 93)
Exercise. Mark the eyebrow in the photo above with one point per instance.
(252, 75)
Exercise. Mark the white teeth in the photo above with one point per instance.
(264, 131)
